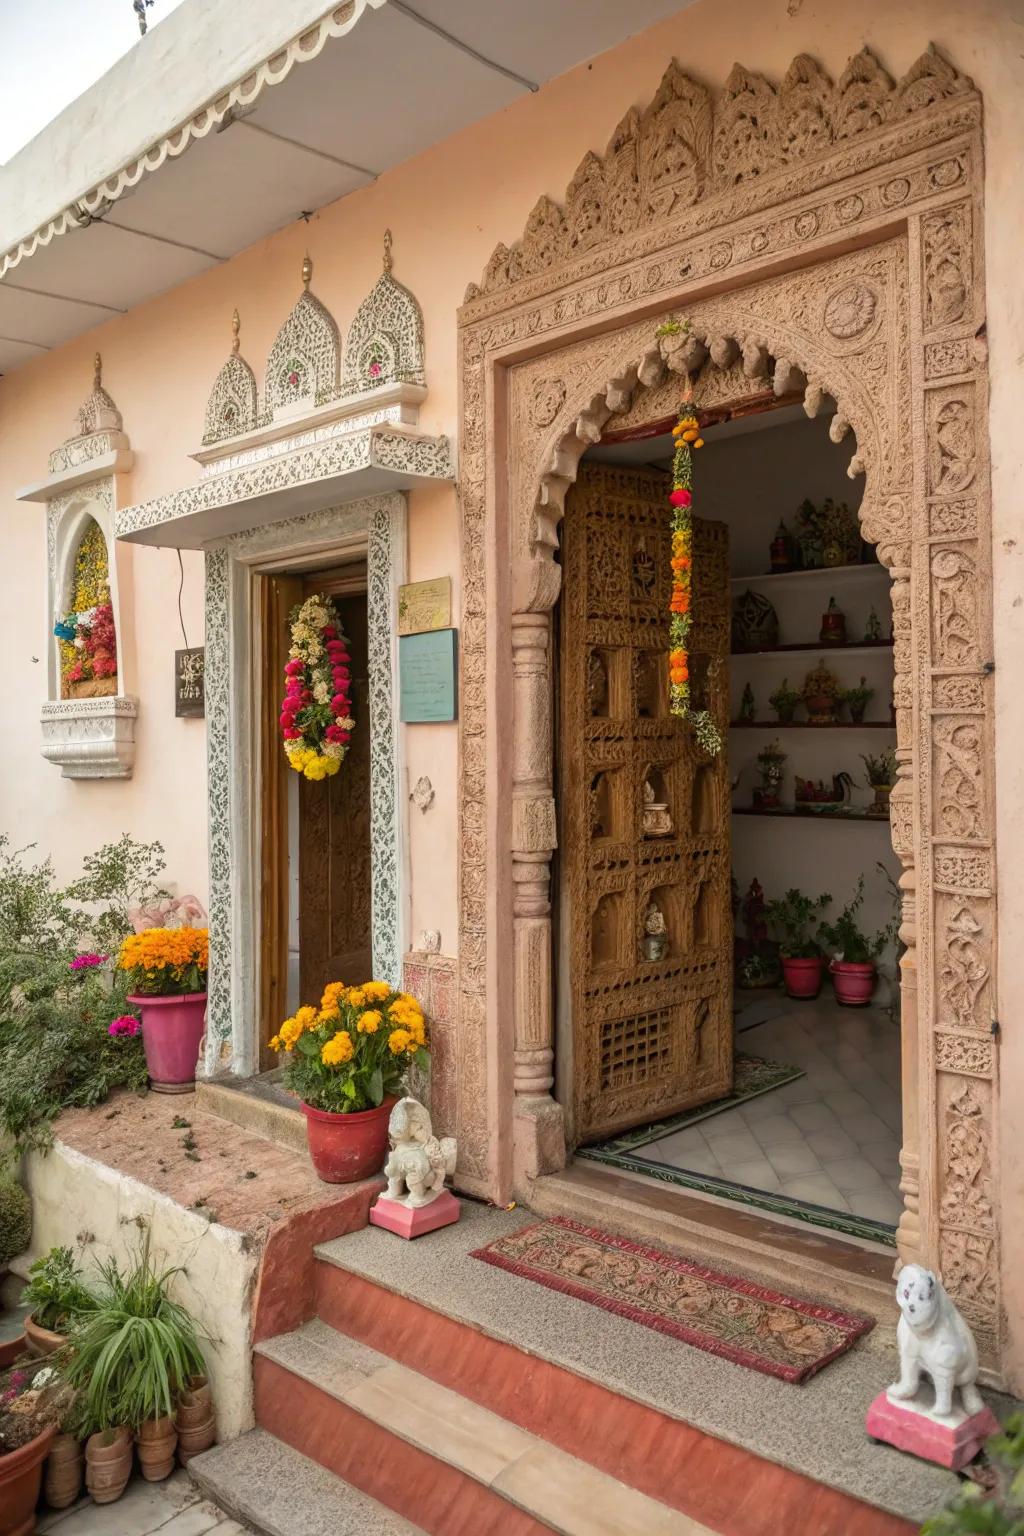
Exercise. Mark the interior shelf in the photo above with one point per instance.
(805, 725)
(868, 568)
(788, 811)
(864, 648)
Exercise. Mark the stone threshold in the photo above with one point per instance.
(259, 1105)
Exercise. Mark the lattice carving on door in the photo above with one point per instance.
(650, 1036)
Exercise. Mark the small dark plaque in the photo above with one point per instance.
(190, 682)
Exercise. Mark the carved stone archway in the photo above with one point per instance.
(827, 237)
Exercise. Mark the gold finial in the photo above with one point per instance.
(236, 326)
(307, 271)
(387, 250)
(97, 372)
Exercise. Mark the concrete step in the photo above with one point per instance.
(257, 1104)
(734, 1449)
(427, 1451)
(269, 1486)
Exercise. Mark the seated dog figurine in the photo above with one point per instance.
(934, 1339)
(419, 1161)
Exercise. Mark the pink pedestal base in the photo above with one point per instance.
(393, 1216)
(951, 1442)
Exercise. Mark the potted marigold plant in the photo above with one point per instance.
(347, 1061)
(167, 970)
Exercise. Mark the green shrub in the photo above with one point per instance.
(998, 1511)
(55, 1291)
(15, 1219)
(847, 939)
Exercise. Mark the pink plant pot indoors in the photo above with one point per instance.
(802, 975)
(854, 982)
(172, 1032)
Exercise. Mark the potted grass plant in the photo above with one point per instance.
(347, 1061)
(167, 968)
(803, 963)
(56, 1294)
(129, 1358)
(853, 968)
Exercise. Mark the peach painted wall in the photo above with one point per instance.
(447, 209)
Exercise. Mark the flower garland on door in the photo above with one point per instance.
(316, 720)
(687, 438)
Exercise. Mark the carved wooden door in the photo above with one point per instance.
(644, 814)
(334, 838)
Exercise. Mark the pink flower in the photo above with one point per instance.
(294, 667)
(87, 962)
(291, 734)
(375, 370)
(124, 1024)
(339, 703)
(329, 632)
(17, 1380)
(680, 498)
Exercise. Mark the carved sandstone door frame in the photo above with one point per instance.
(826, 236)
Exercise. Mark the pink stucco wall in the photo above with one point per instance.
(447, 209)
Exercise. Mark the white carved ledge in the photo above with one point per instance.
(91, 738)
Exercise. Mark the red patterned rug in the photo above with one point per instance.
(779, 1335)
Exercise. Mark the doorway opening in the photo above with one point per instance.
(792, 1105)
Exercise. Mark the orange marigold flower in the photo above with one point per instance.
(369, 1022)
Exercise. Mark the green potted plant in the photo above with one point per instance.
(347, 1062)
(57, 1295)
(803, 963)
(857, 700)
(998, 1508)
(770, 762)
(881, 772)
(853, 967)
(784, 702)
(129, 1358)
(167, 968)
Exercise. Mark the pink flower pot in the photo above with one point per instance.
(853, 981)
(172, 1031)
(802, 975)
(345, 1148)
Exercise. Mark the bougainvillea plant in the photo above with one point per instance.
(316, 715)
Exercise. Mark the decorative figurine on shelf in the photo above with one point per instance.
(810, 796)
(821, 694)
(808, 536)
(881, 772)
(754, 919)
(873, 629)
(935, 1341)
(755, 624)
(757, 959)
(655, 933)
(828, 535)
(857, 700)
(770, 762)
(416, 1200)
(782, 551)
(784, 702)
(833, 625)
(747, 706)
(657, 818)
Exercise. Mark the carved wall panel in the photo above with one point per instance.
(694, 198)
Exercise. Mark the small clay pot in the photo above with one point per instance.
(62, 1476)
(42, 1341)
(194, 1420)
(157, 1440)
(108, 1463)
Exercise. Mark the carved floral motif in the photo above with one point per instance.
(963, 968)
(954, 608)
(946, 247)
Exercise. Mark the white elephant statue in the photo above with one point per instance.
(419, 1161)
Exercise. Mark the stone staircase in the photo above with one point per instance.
(437, 1394)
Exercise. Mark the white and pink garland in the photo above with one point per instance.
(316, 719)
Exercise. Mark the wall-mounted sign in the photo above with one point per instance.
(190, 682)
(425, 605)
(426, 676)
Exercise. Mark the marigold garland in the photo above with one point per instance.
(316, 720)
(687, 437)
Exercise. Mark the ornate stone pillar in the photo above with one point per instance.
(539, 1140)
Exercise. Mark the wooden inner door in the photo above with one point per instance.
(335, 936)
(650, 1036)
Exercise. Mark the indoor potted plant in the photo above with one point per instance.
(347, 1062)
(30, 1410)
(770, 762)
(784, 702)
(857, 700)
(167, 970)
(56, 1294)
(802, 960)
(853, 968)
(881, 772)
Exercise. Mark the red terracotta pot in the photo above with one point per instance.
(172, 1031)
(802, 975)
(854, 982)
(21, 1477)
(345, 1148)
(42, 1341)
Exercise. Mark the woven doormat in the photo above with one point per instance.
(723, 1314)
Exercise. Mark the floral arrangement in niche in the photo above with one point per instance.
(88, 642)
(355, 1050)
(686, 433)
(165, 962)
(316, 718)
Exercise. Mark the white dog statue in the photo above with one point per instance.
(419, 1161)
(934, 1339)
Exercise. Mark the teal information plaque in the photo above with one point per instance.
(426, 676)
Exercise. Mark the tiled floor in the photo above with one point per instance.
(832, 1137)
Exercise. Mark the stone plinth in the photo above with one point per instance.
(951, 1441)
(414, 1221)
